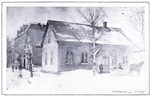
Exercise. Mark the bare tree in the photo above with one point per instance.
(27, 45)
(135, 16)
(93, 16)
(10, 51)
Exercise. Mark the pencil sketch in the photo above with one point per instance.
(136, 67)
(61, 48)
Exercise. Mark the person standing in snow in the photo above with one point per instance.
(20, 71)
(12, 68)
(119, 66)
(101, 68)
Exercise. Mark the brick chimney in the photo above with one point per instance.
(105, 24)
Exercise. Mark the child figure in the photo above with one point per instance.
(119, 66)
(101, 68)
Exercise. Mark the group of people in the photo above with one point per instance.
(20, 68)
(101, 68)
(14, 67)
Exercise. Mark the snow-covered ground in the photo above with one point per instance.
(72, 80)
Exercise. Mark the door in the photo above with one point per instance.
(105, 63)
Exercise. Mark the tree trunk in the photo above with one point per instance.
(94, 65)
(94, 60)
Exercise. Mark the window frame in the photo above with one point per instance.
(51, 57)
(84, 57)
(69, 57)
(114, 60)
(105, 59)
(125, 60)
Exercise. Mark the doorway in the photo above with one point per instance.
(105, 63)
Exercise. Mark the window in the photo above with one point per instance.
(69, 57)
(84, 57)
(125, 60)
(51, 57)
(113, 58)
(45, 58)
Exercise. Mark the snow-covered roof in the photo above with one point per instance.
(35, 35)
(65, 31)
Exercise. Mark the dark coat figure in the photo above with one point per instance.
(12, 68)
(119, 66)
(101, 68)
(20, 71)
(20, 67)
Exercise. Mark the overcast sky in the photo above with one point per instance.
(17, 16)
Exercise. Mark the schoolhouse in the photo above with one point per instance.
(66, 46)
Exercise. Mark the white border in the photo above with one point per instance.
(74, 4)
(4, 30)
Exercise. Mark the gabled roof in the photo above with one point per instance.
(38, 28)
(75, 32)
(30, 26)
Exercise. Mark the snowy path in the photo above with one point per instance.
(72, 80)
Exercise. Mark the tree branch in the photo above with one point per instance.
(83, 15)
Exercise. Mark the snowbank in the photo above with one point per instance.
(71, 80)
